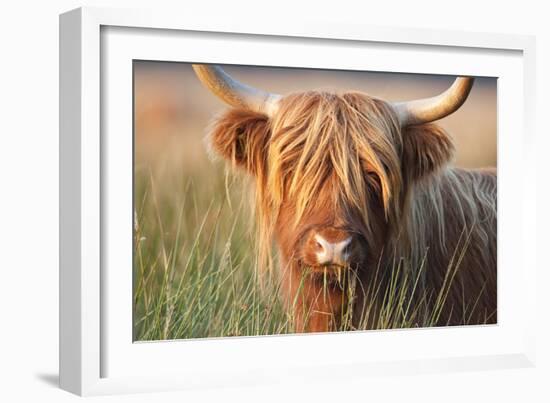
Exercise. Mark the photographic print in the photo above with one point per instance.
(273, 200)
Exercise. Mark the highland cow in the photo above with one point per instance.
(350, 187)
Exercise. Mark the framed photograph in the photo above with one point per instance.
(245, 203)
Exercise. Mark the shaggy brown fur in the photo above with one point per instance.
(341, 165)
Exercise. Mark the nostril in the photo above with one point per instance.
(347, 250)
(321, 243)
(343, 250)
(323, 249)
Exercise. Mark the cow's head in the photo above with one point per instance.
(332, 170)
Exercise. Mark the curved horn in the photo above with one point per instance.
(427, 110)
(235, 93)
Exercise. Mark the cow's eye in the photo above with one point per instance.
(318, 245)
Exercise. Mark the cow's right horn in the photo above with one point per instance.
(234, 92)
(427, 110)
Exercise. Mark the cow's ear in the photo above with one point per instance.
(241, 136)
(426, 149)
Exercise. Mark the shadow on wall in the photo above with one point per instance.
(173, 110)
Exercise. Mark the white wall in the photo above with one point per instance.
(29, 210)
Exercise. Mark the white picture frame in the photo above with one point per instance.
(96, 354)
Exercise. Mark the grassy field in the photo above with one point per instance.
(195, 273)
(194, 265)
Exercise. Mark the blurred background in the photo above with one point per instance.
(172, 109)
(195, 272)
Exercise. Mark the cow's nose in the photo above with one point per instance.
(336, 253)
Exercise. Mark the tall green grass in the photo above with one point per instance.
(194, 268)
(195, 273)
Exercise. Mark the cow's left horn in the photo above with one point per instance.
(427, 110)
(234, 92)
